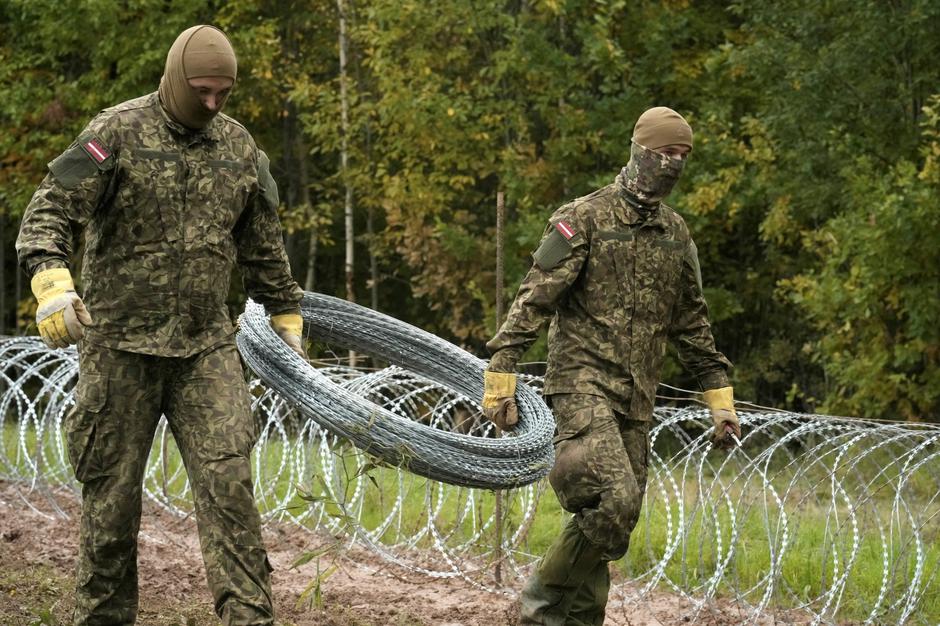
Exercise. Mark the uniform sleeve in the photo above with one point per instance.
(558, 262)
(74, 187)
(692, 332)
(261, 254)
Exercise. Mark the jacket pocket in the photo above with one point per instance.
(149, 199)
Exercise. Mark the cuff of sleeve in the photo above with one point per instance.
(504, 360)
(714, 380)
(49, 264)
(290, 309)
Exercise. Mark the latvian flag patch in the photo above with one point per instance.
(96, 150)
(565, 229)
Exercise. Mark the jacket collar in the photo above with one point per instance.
(212, 132)
(630, 216)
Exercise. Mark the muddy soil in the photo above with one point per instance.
(37, 560)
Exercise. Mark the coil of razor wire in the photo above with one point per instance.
(452, 457)
(814, 520)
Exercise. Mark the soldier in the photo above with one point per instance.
(616, 273)
(170, 194)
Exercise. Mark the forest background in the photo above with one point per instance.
(813, 192)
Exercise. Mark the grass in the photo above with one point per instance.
(818, 551)
(366, 494)
(34, 596)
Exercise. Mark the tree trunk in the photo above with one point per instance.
(344, 152)
(303, 189)
(373, 261)
(3, 276)
(363, 91)
(18, 294)
(344, 161)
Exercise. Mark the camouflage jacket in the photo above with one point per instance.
(615, 286)
(166, 213)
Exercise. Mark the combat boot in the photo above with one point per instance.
(590, 603)
(551, 590)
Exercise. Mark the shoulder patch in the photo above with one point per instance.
(556, 246)
(565, 229)
(96, 150)
(85, 158)
(692, 258)
(266, 180)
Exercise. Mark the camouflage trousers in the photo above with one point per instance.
(600, 476)
(120, 397)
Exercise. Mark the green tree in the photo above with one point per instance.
(837, 96)
(875, 295)
(814, 161)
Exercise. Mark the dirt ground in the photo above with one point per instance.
(37, 558)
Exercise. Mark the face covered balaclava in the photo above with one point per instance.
(198, 52)
(649, 176)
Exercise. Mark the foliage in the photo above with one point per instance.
(874, 296)
(811, 192)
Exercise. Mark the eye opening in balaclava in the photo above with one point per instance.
(649, 176)
(199, 51)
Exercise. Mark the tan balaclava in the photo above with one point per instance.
(198, 52)
(661, 126)
(649, 176)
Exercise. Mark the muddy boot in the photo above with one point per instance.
(549, 593)
(591, 598)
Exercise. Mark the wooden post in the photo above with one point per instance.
(3, 278)
(500, 225)
(17, 296)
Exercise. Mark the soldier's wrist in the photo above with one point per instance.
(46, 265)
(503, 361)
(714, 380)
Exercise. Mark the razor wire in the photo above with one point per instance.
(442, 454)
(812, 519)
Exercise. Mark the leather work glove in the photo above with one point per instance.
(61, 315)
(290, 327)
(721, 406)
(499, 399)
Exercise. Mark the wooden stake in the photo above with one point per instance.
(500, 225)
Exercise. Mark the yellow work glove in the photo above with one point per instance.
(61, 315)
(290, 327)
(499, 399)
(721, 406)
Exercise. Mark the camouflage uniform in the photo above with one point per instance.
(166, 214)
(616, 284)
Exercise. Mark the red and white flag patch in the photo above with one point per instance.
(96, 150)
(565, 229)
